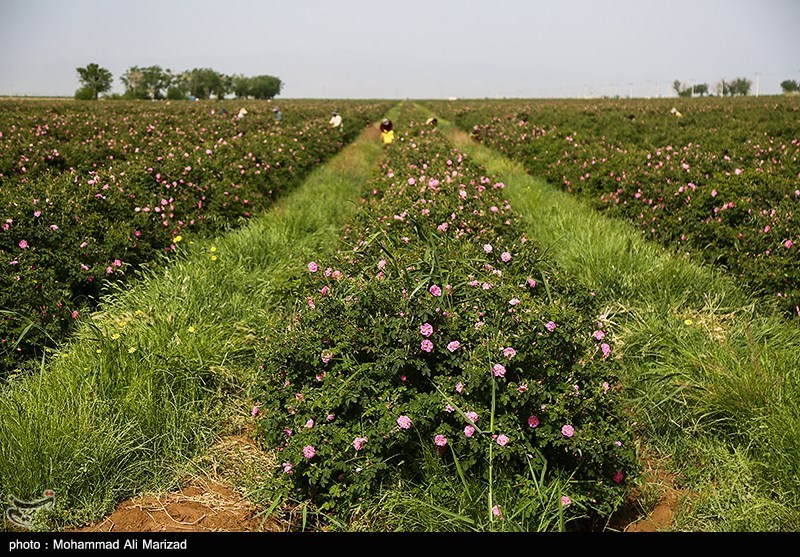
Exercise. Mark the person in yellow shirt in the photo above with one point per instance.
(387, 131)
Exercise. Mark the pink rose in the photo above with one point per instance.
(359, 442)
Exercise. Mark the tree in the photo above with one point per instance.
(146, 83)
(681, 90)
(202, 83)
(790, 86)
(94, 80)
(265, 86)
(241, 86)
(740, 86)
(698, 90)
(701, 89)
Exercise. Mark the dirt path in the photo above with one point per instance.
(209, 502)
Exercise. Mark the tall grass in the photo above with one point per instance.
(713, 377)
(144, 384)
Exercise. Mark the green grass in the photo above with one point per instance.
(145, 383)
(712, 376)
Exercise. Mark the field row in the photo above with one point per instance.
(717, 178)
(90, 193)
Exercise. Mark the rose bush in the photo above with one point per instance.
(439, 327)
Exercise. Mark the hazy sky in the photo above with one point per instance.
(409, 48)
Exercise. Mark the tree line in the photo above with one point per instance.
(739, 86)
(154, 82)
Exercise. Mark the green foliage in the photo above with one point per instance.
(84, 94)
(740, 86)
(790, 86)
(257, 87)
(95, 80)
(416, 324)
(203, 83)
(146, 83)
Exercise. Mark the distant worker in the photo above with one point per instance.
(433, 122)
(278, 115)
(387, 131)
(476, 132)
(336, 120)
(242, 113)
(675, 112)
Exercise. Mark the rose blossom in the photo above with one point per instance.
(404, 422)
(440, 440)
(309, 451)
(567, 430)
(426, 345)
(359, 442)
(426, 329)
(453, 346)
(499, 370)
